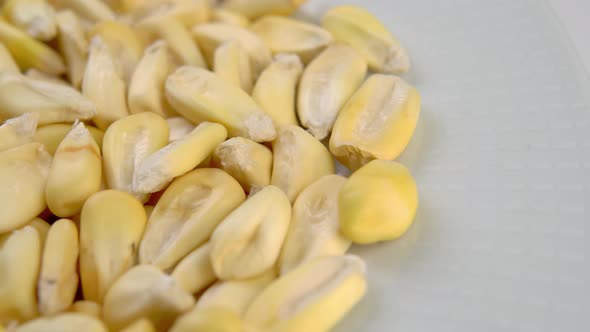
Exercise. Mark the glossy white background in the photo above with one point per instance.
(502, 160)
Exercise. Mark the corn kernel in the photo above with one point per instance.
(378, 202)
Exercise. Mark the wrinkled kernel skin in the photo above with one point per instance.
(378, 202)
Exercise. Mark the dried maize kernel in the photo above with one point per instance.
(312, 297)
(23, 174)
(86, 307)
(75, 172)
(18, 131)
(229, 17)
(180, 43)
(235, 295)
(326, 84)
(378, 202)
(123, 43)
(58, 277)
(73, 45)
(66, 322)
(276, 87)
(127, 143)
(35, 17)
(208, 320)
(232, 63)
(53, 102)
(93, 10)
(7, 62)
(188, 12)
(248, 162)
(288, 35)
(299, 160)
(28, 52)
(140, 325)
(257, 8)
(52, 135)
(377, 122)
(363, 31)
(314, 230)
(177, 158)
(145, 292)
(200, 95)
(103, 84)
(186, 215)
(111, 225)
(19, 266)
(248, 241)
(210, 35)
(194, 272)
(179, 127)
(146, 89)
(42, 228)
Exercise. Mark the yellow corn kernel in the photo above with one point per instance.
(183, 49)
(257, 8)
(312, 298)
(210, 35)
(19, 266)
(194, 272)
(41, 76)
(235, 295)
(58, 277)
(127, 143)
(75, 172)
(377, 122)
(208, 320)
(52, 135)
(146, 89)
(86, 307)
(103, 84)
(222, 15)
(177, 158)
(179, 127)
(148, 210)
(123, 43)
(326, 84)
(188, 12)
(288, 35)
(186, 215)
(378, 202)
(53, 102)
(35, 17)
(145, 292)
(140, 325)
(299, 160)
(314, 230)
(232, 63)
(363, 31)
(30, 53)
(248, 241)
(66, 322)
(73, 45)
(93, 10)
(42, 228)
(248, 162)
(23, 174)
(111, 225)
(18, 131)
(275, 89)
(200, 95)
(7, 62)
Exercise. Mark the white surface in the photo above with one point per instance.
(502, 160)
(573, 14)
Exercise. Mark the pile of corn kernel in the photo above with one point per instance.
(169, 165)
